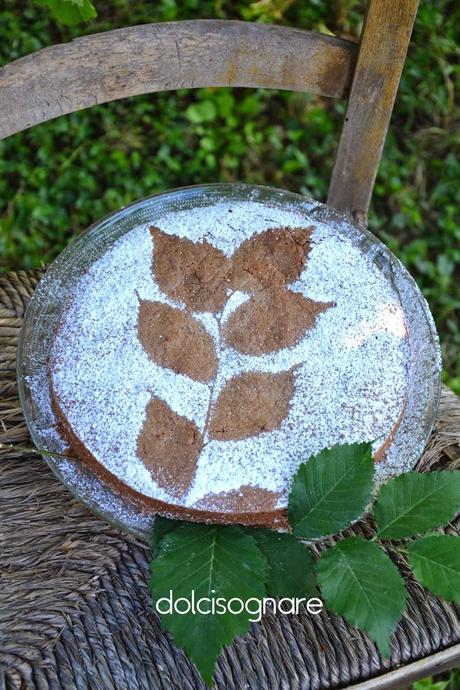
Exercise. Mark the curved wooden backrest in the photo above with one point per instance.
(157, 57)
(171, 55)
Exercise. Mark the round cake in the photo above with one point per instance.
(204, 356)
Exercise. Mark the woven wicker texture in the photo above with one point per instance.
(74, 603)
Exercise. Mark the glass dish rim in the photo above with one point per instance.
(110, 220)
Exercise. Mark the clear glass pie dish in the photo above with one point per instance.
(57, 288)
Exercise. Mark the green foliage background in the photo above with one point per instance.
(61, 176)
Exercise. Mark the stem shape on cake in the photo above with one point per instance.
(201, 278)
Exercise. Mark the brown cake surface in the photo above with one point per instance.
(208, 354)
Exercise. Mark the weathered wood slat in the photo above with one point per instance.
(171, 55)
(385, 38)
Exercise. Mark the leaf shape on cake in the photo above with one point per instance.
(273, 257)
(246, 499)
(177, 341)
(195, 273)
(169, 446)
(251, 403)
(270, 320)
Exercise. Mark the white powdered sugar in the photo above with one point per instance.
(351, 366)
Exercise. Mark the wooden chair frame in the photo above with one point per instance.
(191, 54)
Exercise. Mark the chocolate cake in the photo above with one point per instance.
(202, 358)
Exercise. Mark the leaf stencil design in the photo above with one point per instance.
(273, 257)
(271, 320)
(246, 497)
(202, 278)
(195, 273)
(169, 446)
(174, 339)
(250, 404)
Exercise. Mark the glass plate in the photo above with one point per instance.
(51, 296)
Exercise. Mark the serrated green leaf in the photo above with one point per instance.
(331, 490)
(414, 503)
(435, 562)
(360, 582)
(161, 527)
(290, 565)
(70, 12)
(212, 562)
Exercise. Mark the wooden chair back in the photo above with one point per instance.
(191, 54)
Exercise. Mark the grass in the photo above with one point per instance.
(450, 680)
(61, 176)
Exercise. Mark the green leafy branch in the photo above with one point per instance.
(356, 577)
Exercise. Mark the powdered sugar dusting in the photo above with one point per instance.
(350, 380)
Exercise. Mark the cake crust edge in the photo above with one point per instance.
(275, 519)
